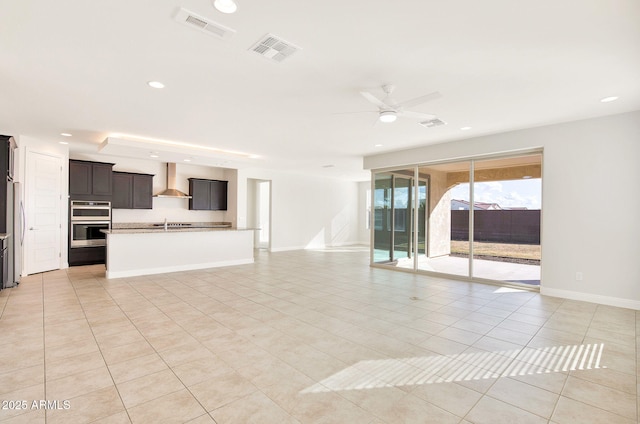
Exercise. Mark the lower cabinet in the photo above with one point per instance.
(87, 255)
(132, 191)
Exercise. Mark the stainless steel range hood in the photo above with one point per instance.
(171, 190)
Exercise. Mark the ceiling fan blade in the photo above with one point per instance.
(351, 113)
(416, 115)
(373, 99)
(419, 100)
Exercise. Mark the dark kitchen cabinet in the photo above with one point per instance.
(87, 256)
(132, 191)
(208, 195)
(7, 146)
(200, 192)
(218, 195)
(80, 178)
(101, 179)
(90, 180)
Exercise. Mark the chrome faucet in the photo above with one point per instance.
(165, 224)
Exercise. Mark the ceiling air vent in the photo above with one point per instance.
(430, 123)
(205, 25)
(274, 48)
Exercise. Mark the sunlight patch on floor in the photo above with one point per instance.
(380, 373)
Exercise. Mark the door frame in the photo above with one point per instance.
(253, 206)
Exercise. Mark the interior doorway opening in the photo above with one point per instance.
(259, 211)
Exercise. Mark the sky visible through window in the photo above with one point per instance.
(507, 194)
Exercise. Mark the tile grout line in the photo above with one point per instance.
(156, 351)
(292, 316)
(486, 393)
(97, 344)
(306, 301)
(44, 344)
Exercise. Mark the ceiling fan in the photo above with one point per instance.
(389, 109)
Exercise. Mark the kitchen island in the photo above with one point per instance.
(156, 249)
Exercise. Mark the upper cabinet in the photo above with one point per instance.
(209, 195)
(132, 191)
(7, 145)
(7, 148)
(90, 180)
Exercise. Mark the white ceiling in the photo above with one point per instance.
(81, 67)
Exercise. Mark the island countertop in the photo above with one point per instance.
(145, 227)
(171, 230)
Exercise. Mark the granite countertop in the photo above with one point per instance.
(141, 228)
(156, 225)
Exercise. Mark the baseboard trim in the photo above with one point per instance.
(286, 249)
(593, 298)
(326, 246)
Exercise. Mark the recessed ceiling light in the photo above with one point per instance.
(187, 160)
(225, 6)
(378, 145)
(155, 84)
(65, 134)
(153, 155)
(609, 99)
(63, 142)
(465, 128)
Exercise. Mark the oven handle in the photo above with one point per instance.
(92, 222)
(89, 207)
(89, 218)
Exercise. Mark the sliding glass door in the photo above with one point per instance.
(506, 219)
(382, 218)
(477, 218)
(394, 206)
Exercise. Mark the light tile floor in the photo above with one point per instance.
(309, 337)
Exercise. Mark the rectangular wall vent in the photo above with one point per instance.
(430, 123)
(205, 25)
(274, 48)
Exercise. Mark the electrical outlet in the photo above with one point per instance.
(578, 276)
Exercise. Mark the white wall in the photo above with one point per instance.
(170, 208)
(589, 168)
(306, 211)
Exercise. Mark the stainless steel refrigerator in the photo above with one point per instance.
(15, 226)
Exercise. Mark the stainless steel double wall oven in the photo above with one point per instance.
(88, 217)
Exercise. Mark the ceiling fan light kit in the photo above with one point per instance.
(388, 116)
(225, 6)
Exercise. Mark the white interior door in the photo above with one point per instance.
(43, 196)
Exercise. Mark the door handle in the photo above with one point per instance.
(32, 228)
